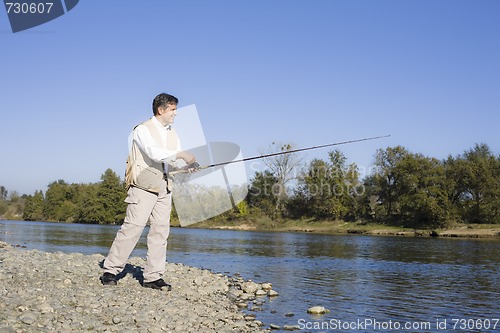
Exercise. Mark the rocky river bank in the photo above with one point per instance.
(58, 292)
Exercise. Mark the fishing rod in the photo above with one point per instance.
(197, 167)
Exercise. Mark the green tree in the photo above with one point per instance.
(387, 180)
(411, 188)
(261, 194)
(474, 182)
(367, 203)
(3, 207)
(423, 199)
(33, 209)
(318, 189)
(103, 203)
(112, 193)
(327, 189)
(455, 169)
(90, 209)
(354, 189)
(54, 208)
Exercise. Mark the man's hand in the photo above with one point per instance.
(187, 157)
(193, 167)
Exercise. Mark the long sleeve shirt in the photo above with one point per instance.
(143, 138)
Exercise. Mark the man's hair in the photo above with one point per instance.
(162, 101)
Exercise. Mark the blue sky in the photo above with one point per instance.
(305, 72)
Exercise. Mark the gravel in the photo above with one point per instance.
(59, 292)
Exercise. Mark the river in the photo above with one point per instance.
(369, 283)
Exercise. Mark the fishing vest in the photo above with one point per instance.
(143, 172)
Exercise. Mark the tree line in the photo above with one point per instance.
(404, 188)
(98, 203)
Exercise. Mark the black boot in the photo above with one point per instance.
(108, 279)
(158, 284)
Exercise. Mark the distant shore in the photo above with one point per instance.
(336, 227)
(341, 227)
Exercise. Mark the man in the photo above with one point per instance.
(154, 150)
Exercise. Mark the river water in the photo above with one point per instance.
(369, 283)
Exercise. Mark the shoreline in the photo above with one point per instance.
(344, 228)
(55, 292)
(491, 231)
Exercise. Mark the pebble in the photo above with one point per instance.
(291, 327)
(58, 292)
(260, 292)
(267, 286)
(318, 310)
(249, 317)
(28, 318)
(272, 293)
(255, 308)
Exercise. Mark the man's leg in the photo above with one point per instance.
(140, 205)
(157, 238)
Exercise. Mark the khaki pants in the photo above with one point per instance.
(143, 206)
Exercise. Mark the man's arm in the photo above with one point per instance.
(187, 157)
(146, 143)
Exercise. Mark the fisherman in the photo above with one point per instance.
(153, 152)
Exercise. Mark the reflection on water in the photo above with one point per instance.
(356, 277)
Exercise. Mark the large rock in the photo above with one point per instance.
(250, 287)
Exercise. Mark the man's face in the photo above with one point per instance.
(167, 114)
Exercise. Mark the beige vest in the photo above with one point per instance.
(143, 172)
